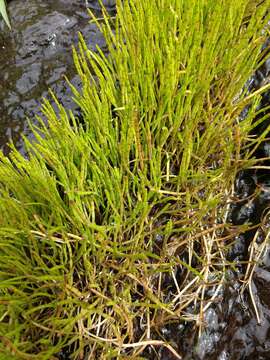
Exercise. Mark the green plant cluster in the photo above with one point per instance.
(116, 225)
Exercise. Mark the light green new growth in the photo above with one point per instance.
(117, 226)
(3, 12)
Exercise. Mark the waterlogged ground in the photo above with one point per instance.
(35, 55)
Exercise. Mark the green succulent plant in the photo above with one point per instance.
(116, 224)
(3, 12)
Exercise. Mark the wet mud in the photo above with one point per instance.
(35, 56)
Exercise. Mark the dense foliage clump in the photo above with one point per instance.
(116, 223)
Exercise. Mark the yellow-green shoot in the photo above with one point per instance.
(3, 12)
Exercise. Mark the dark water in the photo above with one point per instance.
(35, 55)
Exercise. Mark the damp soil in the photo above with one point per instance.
(36, 55)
